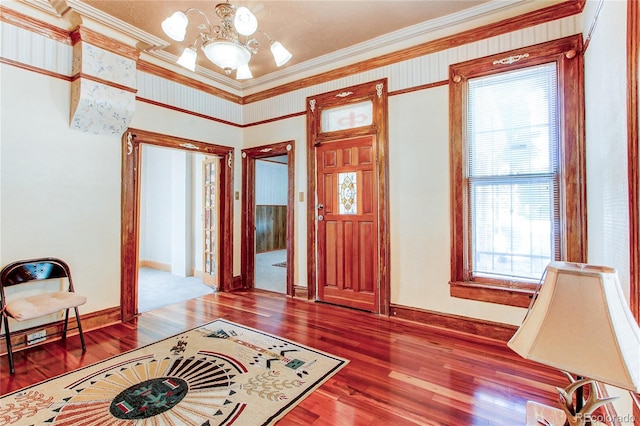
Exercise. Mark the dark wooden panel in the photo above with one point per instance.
(271, 228)
(367, 257)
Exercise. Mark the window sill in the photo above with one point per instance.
(519, 297)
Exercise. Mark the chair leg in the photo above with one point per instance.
(84, 347)
(7, 335)
(66, 324)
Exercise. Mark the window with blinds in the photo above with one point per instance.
(512, 169)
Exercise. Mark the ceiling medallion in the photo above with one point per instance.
(227, 44)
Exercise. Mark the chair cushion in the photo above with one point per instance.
(43, 304)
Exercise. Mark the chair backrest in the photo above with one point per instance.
(23, 271)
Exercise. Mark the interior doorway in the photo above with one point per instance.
(132, 170)
(178, 241)
(270, 188)
(267, 218)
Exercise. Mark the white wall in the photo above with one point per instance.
(60, 187)
(170, 229)
(271, 183)
(606, 137)
(155, 205)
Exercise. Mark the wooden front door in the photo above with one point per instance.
(347, 223)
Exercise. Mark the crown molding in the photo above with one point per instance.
(374, 46)
(44, 6)
(149, 41)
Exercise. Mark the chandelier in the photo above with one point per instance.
(222, 43)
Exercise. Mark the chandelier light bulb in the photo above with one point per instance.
(280, 54)
(245, 22)
(175, 26)
(243, 72)
(188, 58)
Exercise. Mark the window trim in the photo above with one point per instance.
(567, 53)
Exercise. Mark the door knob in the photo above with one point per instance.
(320, 218)
(320, 206)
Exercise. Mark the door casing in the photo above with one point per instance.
(376, 92)
(130, 215)
(249, 157)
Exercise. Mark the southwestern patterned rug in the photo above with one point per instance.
(219, 374)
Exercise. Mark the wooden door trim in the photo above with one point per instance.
(377, 92)
(248, 252)
(130, 204)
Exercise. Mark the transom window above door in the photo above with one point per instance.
(349, 116)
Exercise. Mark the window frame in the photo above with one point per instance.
(566, 53)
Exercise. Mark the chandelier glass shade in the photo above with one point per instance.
(225, 45)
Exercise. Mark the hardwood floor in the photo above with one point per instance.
(400, 373)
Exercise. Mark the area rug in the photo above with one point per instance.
(219, 374)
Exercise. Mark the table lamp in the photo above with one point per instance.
(580, 322)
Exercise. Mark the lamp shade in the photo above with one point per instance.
(188, 58)
(227, 55)
(280, 54)
(245, 22)
(581, 323)
(243, 72)
(175, 26)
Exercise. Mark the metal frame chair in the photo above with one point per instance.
(23, 272)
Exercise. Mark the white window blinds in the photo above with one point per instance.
(512, 170)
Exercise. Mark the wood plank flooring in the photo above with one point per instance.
(400, 373)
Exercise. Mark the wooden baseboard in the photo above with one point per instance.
(89, 322)
(155, 265)
(300, 292)
(455, 323)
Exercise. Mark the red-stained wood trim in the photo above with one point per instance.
(91, 321)
(633, 156)
(131, 170)
(20, 20)
(100, 40)
(34, 69)
(455, 323)
(495, 294)
(271, 120)
(103, 81)
(420, 87)
(633, 96)
(300, 292)
(248, 252)
(551, 13)
(566, 52)
(156, 70)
